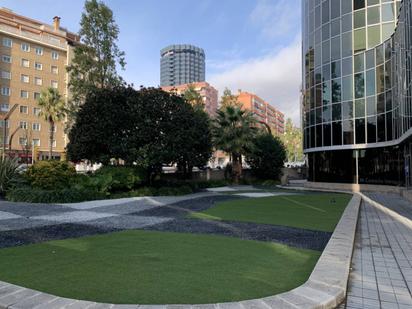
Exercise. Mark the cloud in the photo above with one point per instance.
(276, 19)
(275, 77)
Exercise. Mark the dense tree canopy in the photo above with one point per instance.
(148, 127)
(267, 156)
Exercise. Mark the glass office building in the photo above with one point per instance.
(181, 64)
(356, 105)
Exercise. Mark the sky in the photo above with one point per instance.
(252, 45)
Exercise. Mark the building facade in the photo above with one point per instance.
(208, 93)
(181, 64)
(33, 57)
(356, 107)
(263, 111)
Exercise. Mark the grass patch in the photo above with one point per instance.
(157, 268)
(319, 212)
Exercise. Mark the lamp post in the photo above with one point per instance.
(5, 119)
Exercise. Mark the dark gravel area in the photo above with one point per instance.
(47, 233)
(32, 209)
(153, 219)
(295, 237)
(182, 208)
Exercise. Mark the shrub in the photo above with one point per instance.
(65, 195)
(50, 175)
(8, 173)
(99, 183)
(267, 156)
(123, 178)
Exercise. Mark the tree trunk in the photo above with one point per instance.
(237, 167)
(51, 139)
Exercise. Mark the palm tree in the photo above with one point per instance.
(52, 110)
(233, 132)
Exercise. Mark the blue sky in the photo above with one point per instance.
(253, 45)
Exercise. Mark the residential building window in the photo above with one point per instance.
(23, 141)
(6, 58)
(2, 123)
(53, 144)
(36, 95)
(5, 91)
(39, 51)
(5, 74)
(35, 142)
(25, 47)
(25, 63)
(36, 111)
(55, 55)
(54, 69)
(38, 81)
(24, 109)
(23, 125)
(4, 107)
(54, 84)
(36, 126)
(38, 66)
(24, 94)
(7, 42)
(25, 78)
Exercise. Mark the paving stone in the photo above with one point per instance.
(13, 298)
(36, 301)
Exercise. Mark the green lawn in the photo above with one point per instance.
(317, 211)
(154, 268)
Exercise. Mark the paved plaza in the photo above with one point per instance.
(381, 274)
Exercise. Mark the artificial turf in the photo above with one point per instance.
(318, 211)
(144, 267)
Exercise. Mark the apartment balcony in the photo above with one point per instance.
(44, 38)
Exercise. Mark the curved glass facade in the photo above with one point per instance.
(356, 96)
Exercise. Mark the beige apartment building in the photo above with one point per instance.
(208, 93)
(33, 57)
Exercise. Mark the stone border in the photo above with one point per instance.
(325, 288)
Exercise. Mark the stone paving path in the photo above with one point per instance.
(381, 274)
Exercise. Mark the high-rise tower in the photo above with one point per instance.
(181, 64)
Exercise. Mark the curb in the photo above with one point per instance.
(325, 288)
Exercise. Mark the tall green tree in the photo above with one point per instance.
(229, 99)
(97, 57)
(233, 132)
(149, 128)
(292, 139)
(53, 110)
(267, 157)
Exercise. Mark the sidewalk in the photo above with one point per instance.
(381, 274)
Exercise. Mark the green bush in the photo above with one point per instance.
(8, 173)
(65, 195)
(50, 175)
(123, 178)
(99, 183)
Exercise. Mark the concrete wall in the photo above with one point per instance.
(354, 187)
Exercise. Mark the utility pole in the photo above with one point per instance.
(5, 119)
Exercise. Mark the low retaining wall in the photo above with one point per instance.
(325, 288)
(351, 187)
